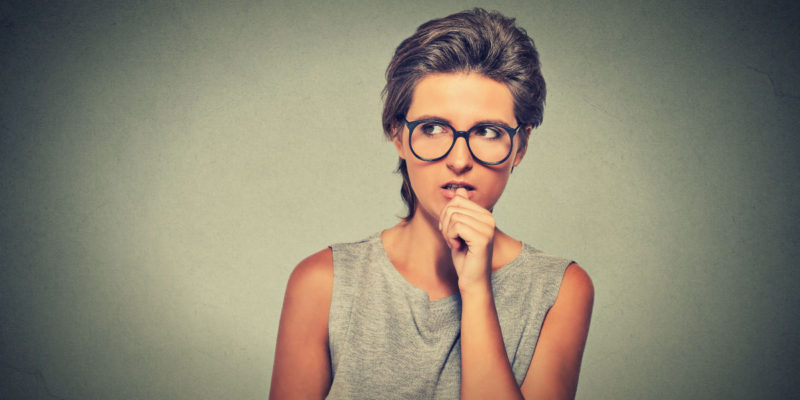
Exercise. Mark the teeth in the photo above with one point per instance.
(454, 187)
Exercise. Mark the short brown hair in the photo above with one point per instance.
(487, 43)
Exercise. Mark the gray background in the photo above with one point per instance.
(165, 165)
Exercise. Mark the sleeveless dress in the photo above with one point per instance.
(389, 341)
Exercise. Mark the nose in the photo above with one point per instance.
(459, 160)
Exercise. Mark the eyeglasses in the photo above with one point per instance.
(432, 140)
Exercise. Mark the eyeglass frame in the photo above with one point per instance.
(411, 125)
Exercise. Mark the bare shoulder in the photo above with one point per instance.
(577, 289)
(302, 367)
(306, 303)
(572, 309)
(315, 272)
(555, 366)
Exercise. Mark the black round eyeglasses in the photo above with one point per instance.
(488, 143)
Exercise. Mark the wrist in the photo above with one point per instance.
(476, 289)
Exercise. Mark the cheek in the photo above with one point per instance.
(494, 186)
(417, 175)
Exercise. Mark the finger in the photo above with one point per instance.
(473, 233)
(484, 228)
(467, 203)
(462, 203)
(479, 214)
(477, 230)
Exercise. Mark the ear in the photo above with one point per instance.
(522, 145)
(397, 140)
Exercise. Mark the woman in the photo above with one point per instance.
(444, 304)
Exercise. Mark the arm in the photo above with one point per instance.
(485, 369)
(555, 366)
(553, 373)
(469, 231)
(302, 364)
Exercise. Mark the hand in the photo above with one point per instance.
(468, 229)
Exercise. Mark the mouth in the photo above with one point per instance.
(449, 189)
(455, 186)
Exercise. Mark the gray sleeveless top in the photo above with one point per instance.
(388, 340)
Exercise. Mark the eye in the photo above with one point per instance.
(488, 132)
(433, 129)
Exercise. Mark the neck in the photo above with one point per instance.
(416, 248)
(425, 241)
(419, 251)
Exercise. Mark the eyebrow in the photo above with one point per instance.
(483, 121)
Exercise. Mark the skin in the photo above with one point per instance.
(450, 245)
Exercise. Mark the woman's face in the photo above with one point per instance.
(462, 100)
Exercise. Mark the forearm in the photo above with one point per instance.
(485, 370)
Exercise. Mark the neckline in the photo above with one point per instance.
(420, 294)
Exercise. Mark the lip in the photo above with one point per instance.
(449, 194)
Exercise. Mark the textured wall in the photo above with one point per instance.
(164, 165)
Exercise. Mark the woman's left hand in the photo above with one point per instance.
(468, 230)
